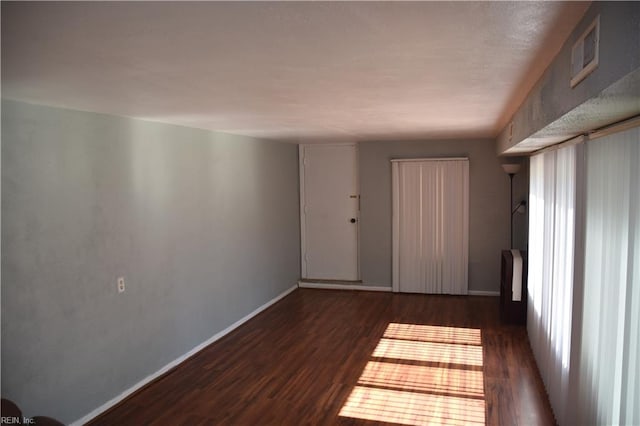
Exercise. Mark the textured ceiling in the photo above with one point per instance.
(299, 71)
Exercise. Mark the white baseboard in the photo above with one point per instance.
(104, 407)
(327, 286)
(483, 293)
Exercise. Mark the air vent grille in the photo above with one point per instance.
(585, 53)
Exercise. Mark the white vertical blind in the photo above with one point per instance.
(609, 373)
(431, 226)
(551, 258)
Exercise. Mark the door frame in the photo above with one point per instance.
(303, 241)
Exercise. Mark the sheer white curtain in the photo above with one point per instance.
(609, 373)
(430, 226)
(552, 201)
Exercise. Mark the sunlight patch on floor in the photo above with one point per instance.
(461, 382)
(422, 374)
(434, 333)
(412, 408)
(447, 353)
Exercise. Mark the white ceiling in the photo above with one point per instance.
(298, 71)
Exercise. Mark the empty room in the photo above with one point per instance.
(349, 213)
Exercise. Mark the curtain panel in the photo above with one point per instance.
(608, 377)
(552, 201)
(430, 226)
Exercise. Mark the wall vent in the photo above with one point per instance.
(584, 55)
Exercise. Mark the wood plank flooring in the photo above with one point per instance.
(353, 358)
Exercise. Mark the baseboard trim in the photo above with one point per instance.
(483, 293)
(325, 286)
(104, 407)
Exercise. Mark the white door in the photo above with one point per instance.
(329, 206)
(430, 225)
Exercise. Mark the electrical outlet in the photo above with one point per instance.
(121, 285)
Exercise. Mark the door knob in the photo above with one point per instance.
(353, 220)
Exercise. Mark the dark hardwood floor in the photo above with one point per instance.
(353, 358)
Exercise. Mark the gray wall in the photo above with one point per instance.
(488, 207)
(204, 227)
(552, 97)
